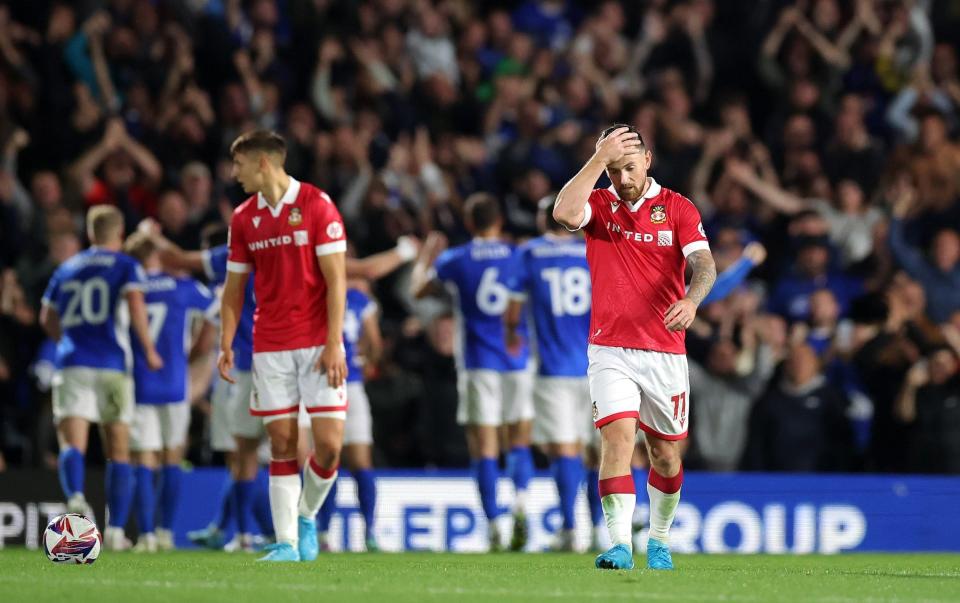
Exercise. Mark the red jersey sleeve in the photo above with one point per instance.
(689, 227)
(239, 259)
(328, 229)
(590, 219)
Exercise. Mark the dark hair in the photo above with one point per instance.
(263, 141)
(482, 210)
(631, 129)
(546, 207)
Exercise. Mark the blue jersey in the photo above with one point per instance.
(359, 307)
(88, 293)
(476, 272)
(551, 275)
(170, 303)
(215, 265)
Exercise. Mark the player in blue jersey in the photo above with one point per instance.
(234, 431)
(494, 387)
(162, 414)
(361, 337)
(550, 276)
(88, 308)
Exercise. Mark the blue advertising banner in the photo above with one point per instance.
(718, 513)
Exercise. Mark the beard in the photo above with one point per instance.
(629, 193)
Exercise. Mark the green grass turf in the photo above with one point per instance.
(27, 576)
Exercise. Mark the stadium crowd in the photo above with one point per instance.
(824, 130)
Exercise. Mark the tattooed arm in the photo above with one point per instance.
(704, 274)
(680, 315)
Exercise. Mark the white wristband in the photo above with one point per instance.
(406, 249)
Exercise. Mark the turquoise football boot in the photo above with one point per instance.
(658, 555)
(280, 551)
(209, 537)
(307, 533)
(618, 557)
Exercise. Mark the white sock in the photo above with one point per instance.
(317, 482)
(284, 493)
(520, 502)
(663, 506)
(618, 511)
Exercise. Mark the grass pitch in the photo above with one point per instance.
(27, 577)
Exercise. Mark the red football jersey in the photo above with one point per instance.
(281, 245)
(637, 255)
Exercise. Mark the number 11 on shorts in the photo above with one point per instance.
(680, 407)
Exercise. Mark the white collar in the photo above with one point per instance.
(652, 191)
(287, 199)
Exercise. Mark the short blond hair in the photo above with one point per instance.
(140, 246)
(103, 223)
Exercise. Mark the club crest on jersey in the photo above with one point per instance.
(296, 218)
(658, 214)
(256, 221)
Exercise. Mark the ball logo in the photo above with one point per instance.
(296, 218)
(658, 214)
(335, 230)
(71, 538)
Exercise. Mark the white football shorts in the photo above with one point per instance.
(561, 406)
(221, 435)
(242, 423)
(97, 395)
(359, 427)
(281, 380)
(159, 426)
(488, 397)
(652, 387)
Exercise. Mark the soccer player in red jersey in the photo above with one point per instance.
(640, 236)
(291, 235)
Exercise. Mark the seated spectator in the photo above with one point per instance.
(801, 423)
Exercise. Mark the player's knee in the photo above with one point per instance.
(284, 447)
(247, 465)
(665, 458)
(617, 445)
(327, 452)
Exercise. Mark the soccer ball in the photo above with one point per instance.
(72, 538)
